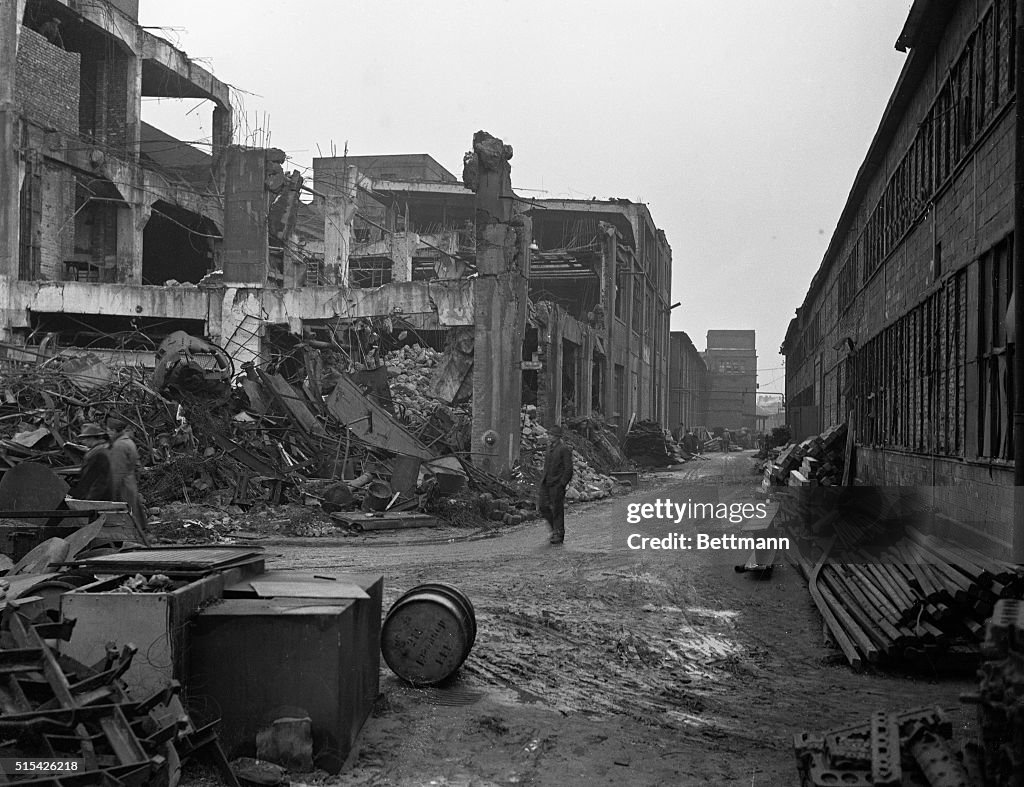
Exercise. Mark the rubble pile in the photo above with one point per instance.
(597, 441)
(409, 374)
(817, 461)
(587, 483)
(649, 445)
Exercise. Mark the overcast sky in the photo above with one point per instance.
(741, 124)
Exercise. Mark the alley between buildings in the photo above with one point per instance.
(595, 664)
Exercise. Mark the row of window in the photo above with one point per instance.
(975, 89)
(908, 381)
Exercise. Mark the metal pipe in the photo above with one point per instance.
(1018, 312)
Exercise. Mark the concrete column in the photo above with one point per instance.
(240, 325)
(499, 302)
(133, 104)
(246, 207)
(586, 378)
(221, 129)
(131, 221)
(339, 211)
(10, 128)
(403, 245)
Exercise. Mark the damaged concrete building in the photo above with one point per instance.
(599, 276)
(116, 235)
(905, 331)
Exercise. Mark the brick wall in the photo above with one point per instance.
(46, 82)
(970, 211)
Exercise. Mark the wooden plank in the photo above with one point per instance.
(311, 589)
(371, 422)
(393, 521)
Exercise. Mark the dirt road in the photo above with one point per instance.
(598, 664)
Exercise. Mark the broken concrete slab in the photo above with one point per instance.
(371, 422)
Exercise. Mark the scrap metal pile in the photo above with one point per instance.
(1000, 699)
(393, 424)
(83, 716)
(918, 747)
(911, 748)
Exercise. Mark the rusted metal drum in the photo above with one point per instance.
(428, 633)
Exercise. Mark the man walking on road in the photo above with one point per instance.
(557, 475)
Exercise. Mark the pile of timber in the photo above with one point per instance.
(920, 598)
(648, 445)
(817, 461)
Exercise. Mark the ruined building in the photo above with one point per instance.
(904, 331)
(599, 278)
(115, 235)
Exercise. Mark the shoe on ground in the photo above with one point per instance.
(556, 540)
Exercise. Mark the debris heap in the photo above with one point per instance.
(409, 378)
(1000, 698)
(817, 461)
(914, 747)
(649, 445)
(58, 709)
(587, 483)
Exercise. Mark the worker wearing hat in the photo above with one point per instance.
(557, 475)
(94, 481)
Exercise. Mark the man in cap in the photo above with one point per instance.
(557, 475)
(124, 464)
(94, 482)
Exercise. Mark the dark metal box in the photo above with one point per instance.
(252, 660)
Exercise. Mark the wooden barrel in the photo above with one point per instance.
(428, 633)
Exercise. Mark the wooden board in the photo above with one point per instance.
(392, 521)
(313, 588)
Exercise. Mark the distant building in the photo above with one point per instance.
(688, 383)
(731, 359)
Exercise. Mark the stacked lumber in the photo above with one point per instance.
(919, 598)
(817, 461)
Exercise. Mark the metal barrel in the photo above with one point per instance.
(428, 633)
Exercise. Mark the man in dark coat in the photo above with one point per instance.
(557, 475)
(94, 482)
(124, 467)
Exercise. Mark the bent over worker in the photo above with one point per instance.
(557, 475)
(94, 482)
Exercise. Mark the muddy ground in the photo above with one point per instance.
(597, 664)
